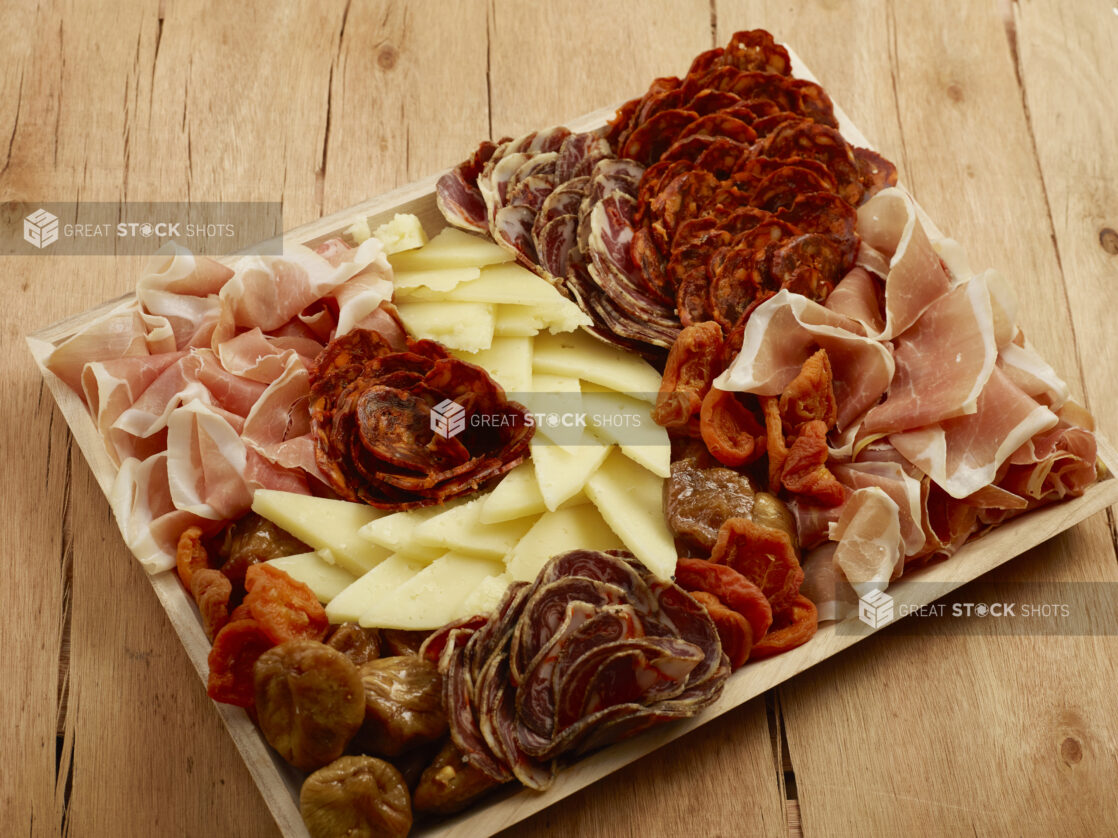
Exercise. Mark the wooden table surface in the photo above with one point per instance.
(1002, 118)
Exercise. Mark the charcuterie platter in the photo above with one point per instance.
(832, 403)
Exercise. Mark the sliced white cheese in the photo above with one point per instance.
(487, 596)
(395, 532)
(518, 496)
(508, 360)
(410, 285)
(630, 499)
(526, 321)
(357, 232)
(323, 577)
(558, 396)
(460, 529)
(324, 524)
(375, 586)
(434, 596)
(509, 283)
(614, 417)
(452, 248)
(583, 356)
(562, 471)
(403, 232)
(579, 527)
(465, 326)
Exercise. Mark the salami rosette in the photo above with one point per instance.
(595, 650)
(382, 422)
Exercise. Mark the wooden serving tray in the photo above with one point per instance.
(279, 783)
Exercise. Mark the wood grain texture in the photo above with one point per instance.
(1000, 117)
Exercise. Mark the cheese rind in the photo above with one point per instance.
(377, 584)
(451, 248)
(434, 596)
(464, 326)
(629, 498)
(583, 356)
(324, 524)
(325, 579)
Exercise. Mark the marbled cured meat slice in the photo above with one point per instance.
(554, 243)
(457, 195)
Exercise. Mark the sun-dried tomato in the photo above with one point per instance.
(191, 554)
(793, 626)
(729, 428)
(284, 607)
(693, 363)
(732, 589)
(774, 440)
(241, 612)
(733, 629)
(805, 471)
(236, 649)
(211, 589)
(764, 555)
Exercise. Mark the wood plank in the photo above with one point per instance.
(941, 727)
(1067, 66)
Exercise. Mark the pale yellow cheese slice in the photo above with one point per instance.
(508, 283)
(630, 499)
(578, 527)
(508, 361)
(518, 496)
(614, 417)
(395, 531)
(434, 596)
(487, 596)
(325, 578)
(452, 248)
(374, 586)
(461, 530)
(526, 321)
(410, 285)
(465, 326)
(324, 524)
(583, 356)
(562, 471)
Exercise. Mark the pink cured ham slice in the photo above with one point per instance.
(856, 297)
(183, 288)
(943, 362)
(785, 330)
(870, 549)
(1035, 376)
(902, 488)
(964, 454)
(888, 223)
(119, 333)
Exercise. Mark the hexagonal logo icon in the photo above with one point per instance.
(40, 229)
(448, 418)
(875, 609)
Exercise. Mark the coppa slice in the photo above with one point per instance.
(324, 524)
(450, 249)
(434, 596)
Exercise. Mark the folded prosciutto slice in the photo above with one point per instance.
(948, 420)
(199, 385)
